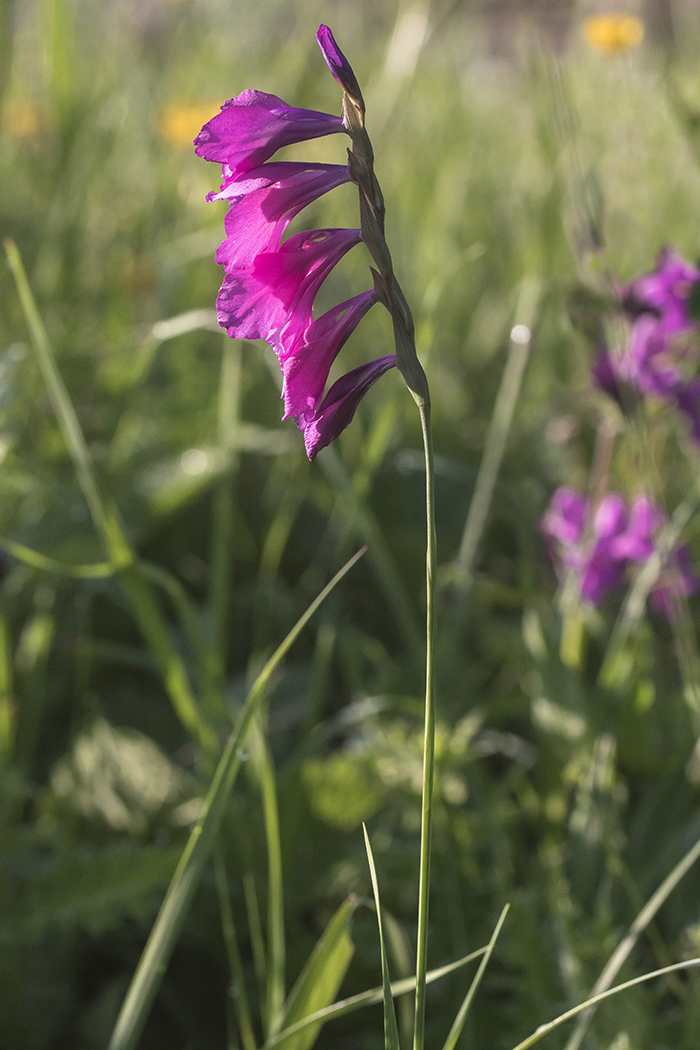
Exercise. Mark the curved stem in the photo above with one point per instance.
(429, 736)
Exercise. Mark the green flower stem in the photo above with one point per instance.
(429, 735)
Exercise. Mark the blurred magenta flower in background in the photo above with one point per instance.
(663, 334)
(599, 553)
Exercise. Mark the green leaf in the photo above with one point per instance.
(391, 1031)
(321, 978)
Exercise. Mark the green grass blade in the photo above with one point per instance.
(494, 448)
(354, 512)
(261, 762)
(627, 943)
(8, 712)
(228, 928)
(96, 571)
(318, 982)
(172, 667)
(461, 1017)
(545, 1029)
(144, 606)
(220, 561)
(60, 398)
(257, 940)
(391, 1031)
(370, 998)
(154, 960)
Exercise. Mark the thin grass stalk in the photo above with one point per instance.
(224, 505)
(496, 437)
(461, 1017)
(545, 1029)
(257, 941)
(370, 998)
(391, 1032)
(166, 929)
(122, 557)
(618, 957)
(428, 736)
(228, 928)
(275, 970)
(63, 406)
(8, 716)
(354, 513)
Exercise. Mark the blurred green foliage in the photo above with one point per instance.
(499, 160)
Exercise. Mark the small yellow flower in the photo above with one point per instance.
(22, 119)
(609, 33)
(178, 124)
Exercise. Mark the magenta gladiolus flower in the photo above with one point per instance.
(253, 126)
(269, 287)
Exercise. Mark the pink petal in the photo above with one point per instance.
(253, 126)
(306, 366)
(338, 63)
(274, 299)
(265, 201)
(340, 404)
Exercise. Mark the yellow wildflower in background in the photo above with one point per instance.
(179, 124)
(610, 33)
(22, 119)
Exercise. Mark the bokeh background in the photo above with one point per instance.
(515, 152)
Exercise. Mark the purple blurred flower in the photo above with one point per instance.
(253, 126)
(599, 553)
(659, 304)
(664, 293)
(269, 288)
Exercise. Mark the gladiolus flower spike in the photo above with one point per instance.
(269, 287)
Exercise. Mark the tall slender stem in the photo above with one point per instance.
(429, 737)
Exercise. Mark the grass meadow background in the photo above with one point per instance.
(512, 156)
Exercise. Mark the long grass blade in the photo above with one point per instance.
(165, 931)
(391, 1031)
(319, 981)
(545, 1029)
(618, 957)
(370, 998)
(242, 1007)
(461, 1017)
(261, 762)
(62, 403)
(494, 448)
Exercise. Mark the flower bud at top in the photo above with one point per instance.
(342, 71)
